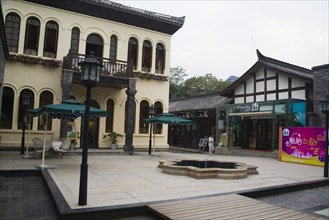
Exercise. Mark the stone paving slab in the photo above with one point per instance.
(119, 179)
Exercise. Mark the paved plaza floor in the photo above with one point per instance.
(116, 179)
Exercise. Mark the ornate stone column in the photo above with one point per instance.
(66, 84)
(130, 109)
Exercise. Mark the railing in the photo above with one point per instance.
(110, 67)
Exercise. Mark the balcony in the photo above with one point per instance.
(114, 73)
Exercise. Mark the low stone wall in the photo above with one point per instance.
(241, 171)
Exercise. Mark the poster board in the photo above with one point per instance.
(303, 145)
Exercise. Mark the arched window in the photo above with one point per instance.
(160, 59)
(94, 44)
(7, 107)
(143, 113)
(12, 26)
(51, 39)
(133, 52)
(113, 47)
(147, 56)
(46, 98)
(109, 118)
(75, 38)
(32, 36)
(158, 110)
(28, 93)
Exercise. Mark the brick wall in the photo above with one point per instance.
(321, 89)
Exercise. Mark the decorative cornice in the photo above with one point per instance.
(151, 14)
(25, 58)
(151, 76)
(117, 12)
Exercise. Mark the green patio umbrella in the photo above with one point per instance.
(67, 109)
(167, 118)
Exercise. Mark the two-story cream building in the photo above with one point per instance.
(47, 39)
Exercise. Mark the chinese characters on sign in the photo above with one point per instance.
(303, 145)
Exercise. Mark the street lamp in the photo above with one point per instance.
(25, 101)
(151, 113)
(89, 78)
(325, 110)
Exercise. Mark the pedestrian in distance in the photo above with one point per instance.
(211, 144)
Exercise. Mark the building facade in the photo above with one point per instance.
(201, 110)
(47, 39)
(3, 55)
(250, 111)
(271, 94)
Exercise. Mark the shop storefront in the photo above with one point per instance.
(256, 125)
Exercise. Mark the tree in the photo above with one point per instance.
(199, 85)
(177, 77)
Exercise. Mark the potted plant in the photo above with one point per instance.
(113, 136)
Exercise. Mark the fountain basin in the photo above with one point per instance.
(201, 169)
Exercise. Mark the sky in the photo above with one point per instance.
(221, 37)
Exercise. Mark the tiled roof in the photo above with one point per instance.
(278, 66)
(117, 12)
(285, 67)
(168, 18)
(201, 102)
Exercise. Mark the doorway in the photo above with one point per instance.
(264, 134)
(93, 128)
(94, 44)
(257, 133)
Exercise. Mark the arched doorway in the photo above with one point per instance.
(93, 128)
(94, 44)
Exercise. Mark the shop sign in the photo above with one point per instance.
(247, 108)
(302, 145)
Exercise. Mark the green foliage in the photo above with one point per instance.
(205, 84)
(113, 136)
(197, 85)
(288, 118)
(177, 76)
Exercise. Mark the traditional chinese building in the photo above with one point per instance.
(272, 93)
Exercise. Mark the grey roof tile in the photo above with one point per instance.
(201, 102)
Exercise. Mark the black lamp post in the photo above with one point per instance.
(89, 78)
(25, 101)
(151, 113)
(325, 110)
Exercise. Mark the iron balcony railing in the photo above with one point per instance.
(110, 67)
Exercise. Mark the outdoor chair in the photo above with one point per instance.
(65, 148)
(38, 146)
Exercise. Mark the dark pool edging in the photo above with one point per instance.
(140, 209)
(292, 187)
(95, 213)
(111, 212)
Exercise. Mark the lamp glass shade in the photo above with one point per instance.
(90, 70)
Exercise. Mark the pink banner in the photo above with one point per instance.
(303, 145)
